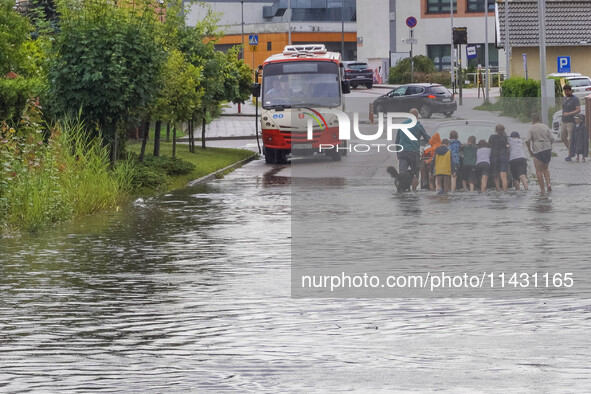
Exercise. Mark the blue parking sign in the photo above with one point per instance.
(563, 64)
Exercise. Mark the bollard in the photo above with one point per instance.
(239, 109)
(371, 113)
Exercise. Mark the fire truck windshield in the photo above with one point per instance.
(301, 84)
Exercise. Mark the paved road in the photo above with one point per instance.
(233, 130)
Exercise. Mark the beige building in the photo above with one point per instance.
(568, 35)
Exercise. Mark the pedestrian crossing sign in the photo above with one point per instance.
(253, 39)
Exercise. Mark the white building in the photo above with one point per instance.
(381, 27)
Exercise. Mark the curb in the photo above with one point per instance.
(228, 138)
(239, 115)
(214, 175)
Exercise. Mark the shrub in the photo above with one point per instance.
(155, 172)
(14, 94)
(150, 178)
(400, 73)
(168, 165)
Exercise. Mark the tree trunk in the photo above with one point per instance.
(113, 144)
(203, 133)
(157, 128)
(145, 134)
(192, 133)
(173, 141)
(167, 131)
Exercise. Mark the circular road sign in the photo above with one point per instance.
(411, 21)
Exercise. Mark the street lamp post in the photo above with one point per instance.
(486, 61)
(542, 26)
(451, 51)
(343, 29)
(289, 22)
(242, 8)
(507, 48)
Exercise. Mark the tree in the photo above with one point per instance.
(179, 93)
(23, 56)
(106, 61)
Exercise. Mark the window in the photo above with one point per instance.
(440, 56)
(414, 90)
(478, 5)
(268, 45)
(440, 6)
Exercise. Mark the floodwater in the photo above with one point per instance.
(190, 292)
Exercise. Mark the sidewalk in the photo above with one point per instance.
(568, 172)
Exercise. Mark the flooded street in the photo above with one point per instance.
(190, 292)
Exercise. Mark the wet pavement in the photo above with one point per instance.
(191, 291)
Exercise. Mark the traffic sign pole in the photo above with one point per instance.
(411, 22)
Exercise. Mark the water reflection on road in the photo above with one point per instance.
(190, 292)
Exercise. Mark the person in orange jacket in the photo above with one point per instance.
(434, 142)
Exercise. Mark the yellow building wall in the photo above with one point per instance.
(580, 58)
(259, 53)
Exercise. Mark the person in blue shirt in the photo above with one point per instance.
(409, 158)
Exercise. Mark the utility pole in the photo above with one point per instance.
(289, 22)
(507, 47)
(451, 50)
(486, 61)
(412, 60)
(542, 25)
(242, 7)
(343, 29)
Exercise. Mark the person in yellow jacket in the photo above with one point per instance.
(442, 168)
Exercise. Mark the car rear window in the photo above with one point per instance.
(357, 66)
(575, 82)
(438, 90)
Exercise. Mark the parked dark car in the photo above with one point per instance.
(427, 98)
(358, 73)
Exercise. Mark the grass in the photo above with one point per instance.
(205, 161)
(66, 177)
(487, 106)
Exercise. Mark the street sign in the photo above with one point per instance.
(471, 51)
(253, 39)
(563, 64)
(411, 21)
(412, 41)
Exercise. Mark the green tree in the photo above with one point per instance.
(179, 94)
(23, 56)
(106, 61)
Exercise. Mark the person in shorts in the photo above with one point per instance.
(454, 147)
(570, 107)
(483, 163)
(539, 143)
(499, 156)
(469, 164)
(517, 160)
